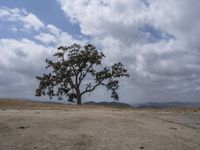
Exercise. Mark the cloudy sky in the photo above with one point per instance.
(158, 41)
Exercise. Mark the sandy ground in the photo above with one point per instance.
(98, 129)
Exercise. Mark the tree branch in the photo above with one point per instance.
(83, 75)
(93, 88)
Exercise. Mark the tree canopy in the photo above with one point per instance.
(73, 64)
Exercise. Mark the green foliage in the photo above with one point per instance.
(74, 63)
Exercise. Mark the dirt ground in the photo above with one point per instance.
(98, 129)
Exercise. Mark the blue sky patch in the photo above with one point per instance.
(48, 11)
(155, 34)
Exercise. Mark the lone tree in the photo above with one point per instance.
(74, 64)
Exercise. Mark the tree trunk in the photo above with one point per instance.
(78, 97)
(78, 100)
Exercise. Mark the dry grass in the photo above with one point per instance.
(173, 110)
(27, 104)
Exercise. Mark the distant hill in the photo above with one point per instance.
(109, 104)
(147, 105)
(29, 103)
(168, 105)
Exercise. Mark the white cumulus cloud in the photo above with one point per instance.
(24, 58)
(157, 40)
(29, 20)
